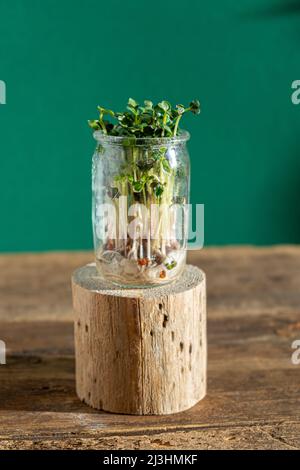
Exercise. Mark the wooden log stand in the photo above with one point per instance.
(140, 351)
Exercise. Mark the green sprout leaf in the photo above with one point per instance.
(166, 165)
(195, 106)
(148, 104)
(180, 108)
(94, 125)
(164, 105)
(158, 190)
(171, 265)
(132, 103)
(137, 186)
(104, 111)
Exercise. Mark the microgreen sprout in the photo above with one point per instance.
(147, 120)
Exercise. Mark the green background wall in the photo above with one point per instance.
(60, 58)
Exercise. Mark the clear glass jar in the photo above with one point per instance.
(140, 217)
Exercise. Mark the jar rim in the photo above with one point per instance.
(126, 140)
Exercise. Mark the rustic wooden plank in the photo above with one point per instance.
(253, 389)
(275, 437)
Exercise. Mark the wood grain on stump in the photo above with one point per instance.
(140, 351)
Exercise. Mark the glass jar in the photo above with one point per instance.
(140, 217)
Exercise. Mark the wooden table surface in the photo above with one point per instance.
(253, 398)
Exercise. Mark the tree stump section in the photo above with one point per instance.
(140, 351)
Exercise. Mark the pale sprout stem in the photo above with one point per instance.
(117, 226)
(157, 230)
(163, 228)
(149, 238)
(173, 226)
(133, 250)
(141, 248)
(141, 228)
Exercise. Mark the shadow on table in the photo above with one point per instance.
(39, 383)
